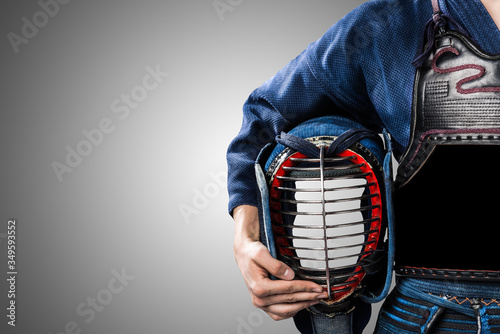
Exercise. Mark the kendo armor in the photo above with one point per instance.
(445, 185)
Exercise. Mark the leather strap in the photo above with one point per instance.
(436, 16)
(435, 25)
(435, 6)
(341, 143)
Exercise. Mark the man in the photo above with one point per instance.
(361, 69)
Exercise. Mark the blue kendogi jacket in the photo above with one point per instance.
(360, 69)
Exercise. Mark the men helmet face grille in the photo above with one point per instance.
(326, 215)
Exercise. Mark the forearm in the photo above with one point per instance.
(246, 218)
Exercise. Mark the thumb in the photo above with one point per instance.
(274, 266)
(288, 273)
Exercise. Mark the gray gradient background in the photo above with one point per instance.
(120, 208)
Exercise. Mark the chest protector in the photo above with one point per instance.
(456, 98)
(443, 201)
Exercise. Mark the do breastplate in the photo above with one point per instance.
(456, 101)
(442, 199)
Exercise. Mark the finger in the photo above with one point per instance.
(265, 287)
(280, 287)
(287, 310)
(263, 258)
(298, 297)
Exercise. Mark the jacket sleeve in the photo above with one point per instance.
(326, 78)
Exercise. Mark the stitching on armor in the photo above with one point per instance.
(461, 113)
(450, 273)
(436, 89)
(416, 158)
(480, 99)
(481, 69)
(464, 138)
(485, 301)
